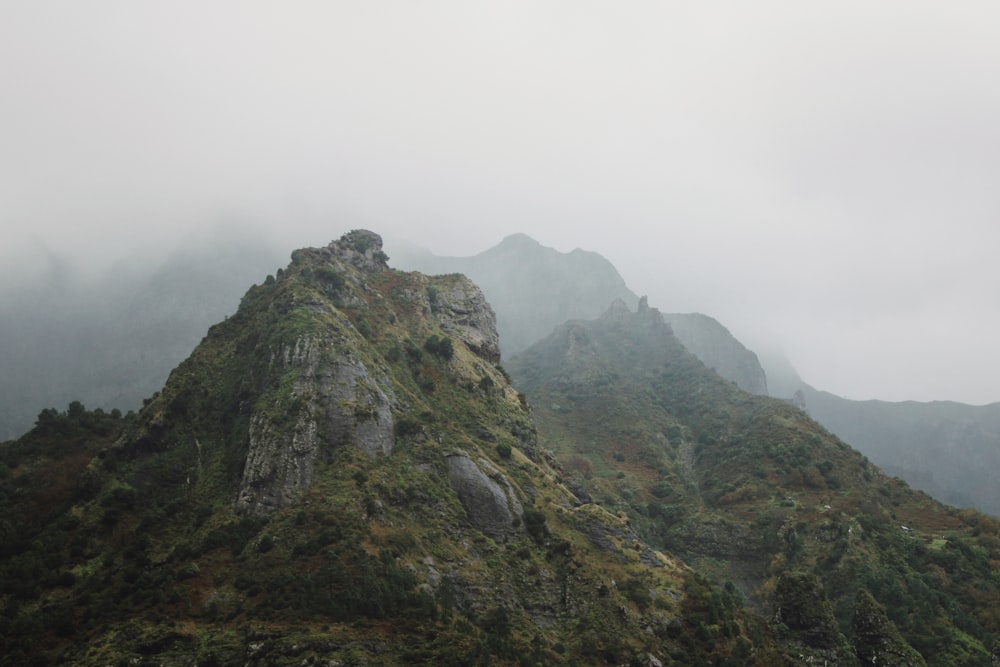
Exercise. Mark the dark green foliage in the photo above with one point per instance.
(876, 640)
(406, 426)
(440, 346)
(638, 592)
(331, 280)
(504, 450)
(534, 523)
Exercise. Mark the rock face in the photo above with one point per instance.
(333, 401)
(489, 501)
(362, 249)
(711, 342)
(463, 312)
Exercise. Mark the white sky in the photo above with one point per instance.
(820, 176)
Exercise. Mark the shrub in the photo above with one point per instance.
(440, 346)
(534, 523)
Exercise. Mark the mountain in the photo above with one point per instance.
(944, 448)
(533, 289)
(339, 473)
(754, 494)
(950, 450)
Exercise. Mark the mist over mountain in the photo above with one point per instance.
(710, 341)
(946, 449)
(110, 340)
(533, 289)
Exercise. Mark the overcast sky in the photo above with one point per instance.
(823, 176)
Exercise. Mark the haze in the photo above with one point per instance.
(820, 177)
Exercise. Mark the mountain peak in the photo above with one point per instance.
(519, 240)
(362, 249)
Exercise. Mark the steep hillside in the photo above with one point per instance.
(340, 473)
(752, 492)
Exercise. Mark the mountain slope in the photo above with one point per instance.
(341, 473)
(950, 450)
(750, 490)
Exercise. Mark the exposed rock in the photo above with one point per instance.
(579, 491)
(611, 539)
(362, 249)
(331, 382)
(491, 508)
(464, 313)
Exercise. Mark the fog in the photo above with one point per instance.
(820, 177)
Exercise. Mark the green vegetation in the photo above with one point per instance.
(750, 489)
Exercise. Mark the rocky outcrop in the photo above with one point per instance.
(464, 313)
(489, 501)
(333, 401)
(361, 249)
